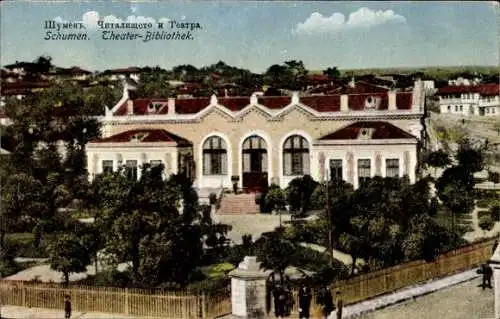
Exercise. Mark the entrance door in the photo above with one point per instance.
(254, 164)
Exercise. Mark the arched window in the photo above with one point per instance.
(295, 156)
(214, 156)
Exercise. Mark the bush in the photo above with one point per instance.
(484, 203)
(109, 278)
(275, 198)
(486, 223)
(495, 212)
(212, 198)
(258, 199)
(209, 286)
(494, 177)
(482, 213)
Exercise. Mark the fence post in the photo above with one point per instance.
(203, 306)
(23, 294)
(126, 301)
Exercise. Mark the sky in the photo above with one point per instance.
(257, 34)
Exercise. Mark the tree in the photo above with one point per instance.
(486, 222)
(142, 223)
(274, 198)
(299, 192)
(332, 73)
(68, 255)
(437, 159)
(275, 252)
(154, 84)
(386, 222)
(470, 159)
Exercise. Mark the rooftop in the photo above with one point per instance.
(144, 136)
(374, 130)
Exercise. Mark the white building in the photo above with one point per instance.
(482, 99)
(263, 140)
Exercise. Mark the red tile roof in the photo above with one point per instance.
(129, 70)
(361, 87)
(404, 100)
(234, 103)
(320, 103)
(149, 135)
(482, 89)
(381, 130)
(275, 102)
(326, 103)
(190, 106)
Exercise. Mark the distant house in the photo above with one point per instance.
(132, 72)
(20, 89)
(353, 87)
(21, 68)
(74, 72)
(479, 99)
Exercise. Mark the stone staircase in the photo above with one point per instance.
(238, 204)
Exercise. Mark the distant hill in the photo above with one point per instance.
(436, 72)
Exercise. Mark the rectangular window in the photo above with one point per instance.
(336, 170)
(392, 167)
(364, 171)
(461, 108)
(107, 167)
(131, 170)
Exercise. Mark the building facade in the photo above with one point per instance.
(263, 140)
(480, 99)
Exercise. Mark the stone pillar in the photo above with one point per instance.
(322, 176)
(248, 289)
(495, 265)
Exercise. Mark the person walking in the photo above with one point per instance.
(279, 301)
(325, 299)
(487, 274)
(304, 302)
(340, 304)
(67, 307)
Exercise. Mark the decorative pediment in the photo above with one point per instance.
(217, 109)
(259, 109)
(296, 107)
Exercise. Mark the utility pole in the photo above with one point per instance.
(329, 216)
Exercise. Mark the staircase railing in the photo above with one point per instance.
(219, 199)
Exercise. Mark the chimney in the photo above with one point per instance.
(344, 103)
(295, 98)
(171, 106)
(130, 107)
(392, 101)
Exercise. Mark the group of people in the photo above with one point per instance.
(283, 301)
